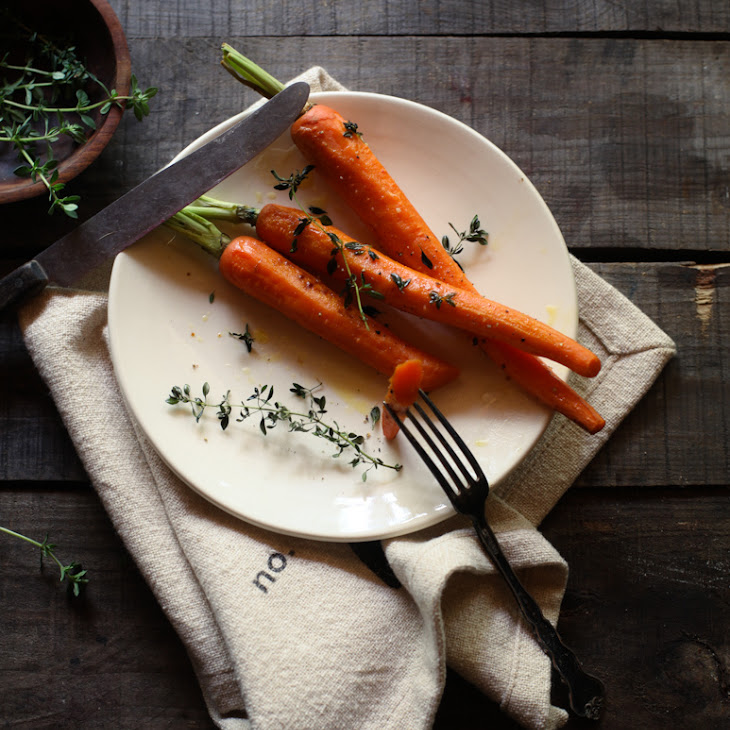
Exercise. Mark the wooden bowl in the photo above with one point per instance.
(97, 35)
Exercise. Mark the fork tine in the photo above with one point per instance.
(446, 445)
(441, 449)
(465, 450)
(422, 453)
(448, 465)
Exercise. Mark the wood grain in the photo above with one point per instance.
(677, 434)
(427, 17)
(108, 659)
(642, 559)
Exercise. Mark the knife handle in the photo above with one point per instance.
(27, 280)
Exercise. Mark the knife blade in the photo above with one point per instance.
(155, 200)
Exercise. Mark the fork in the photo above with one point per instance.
(467, 488)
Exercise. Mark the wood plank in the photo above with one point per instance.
(108, 659)
(649, 575)
(33, 441)
(428, 17)
(626, 140)
(676, 436)
(638, 558)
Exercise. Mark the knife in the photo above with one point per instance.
(155, 200)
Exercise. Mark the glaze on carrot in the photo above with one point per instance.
(267, 276)
(348, 164)
(404, 384)
(416, 293)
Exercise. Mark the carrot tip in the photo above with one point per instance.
(594, 367)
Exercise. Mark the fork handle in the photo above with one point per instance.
(585, 692)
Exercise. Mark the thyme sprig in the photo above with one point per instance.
(292, 182)
(473, 234)
(354, 287)
(46, 97)
(272, 412)
(71, 572)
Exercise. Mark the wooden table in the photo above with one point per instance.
(618, 112)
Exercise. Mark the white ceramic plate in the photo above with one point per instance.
(165, 331)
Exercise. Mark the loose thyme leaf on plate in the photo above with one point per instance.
(246, 337)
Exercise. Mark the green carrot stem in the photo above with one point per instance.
(214, 209)
(248, 73)
(201, 231)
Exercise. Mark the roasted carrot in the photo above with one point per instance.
(388, 425)
(344, 159)
(329, 139)
(349, 165)
(267, 276)
(402, 392)
(404, 384)
(413, 292)
(534, 375)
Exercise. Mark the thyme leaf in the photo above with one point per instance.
(351, 130)
(321, 215)
(438, 299)
(400, 282)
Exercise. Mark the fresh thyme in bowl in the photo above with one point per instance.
(270, 412)
(50, 98)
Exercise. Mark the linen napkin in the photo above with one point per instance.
(291, 633)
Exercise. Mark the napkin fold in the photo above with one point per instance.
(288, 632)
